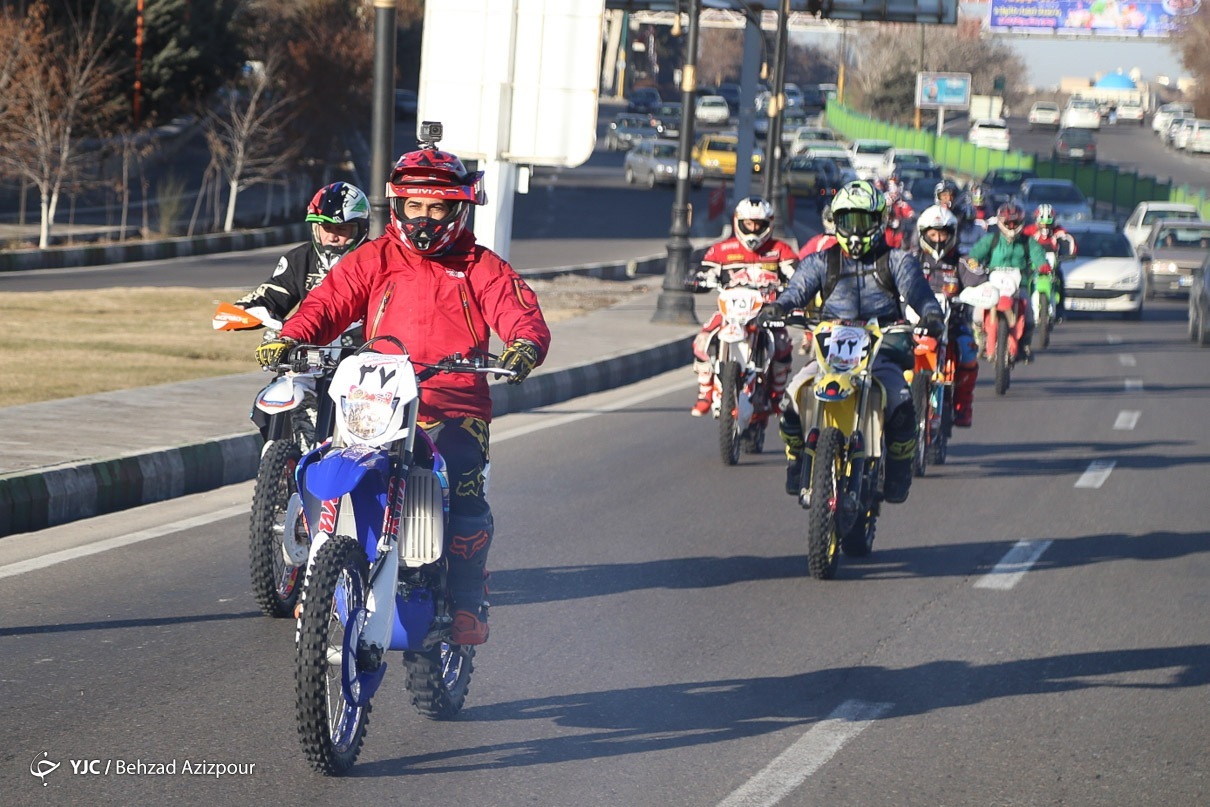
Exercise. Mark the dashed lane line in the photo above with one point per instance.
(1013, 566)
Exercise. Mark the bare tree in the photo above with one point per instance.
(1196, 57)
(247, 134)
(51, 103)
(720, 53)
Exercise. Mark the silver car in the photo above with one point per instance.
(1063, 195)
(1172, 252)
(653, 162)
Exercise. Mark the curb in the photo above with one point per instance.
(102, 254)
(42, 499)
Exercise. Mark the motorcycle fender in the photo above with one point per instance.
(280, 395)
(340, 471)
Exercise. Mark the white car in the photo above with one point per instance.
(1044, 113)
(807, 136)
(1165, 115)
(1131, 111)
(1199, 137)
(867, 156)
(990, 133)
(712, 109)
(1138, 226)
(1080, 113)
(1180, 135)
(1106, 275)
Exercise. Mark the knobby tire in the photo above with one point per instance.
(920, 400)
(275, 584)
(823, 543)
(728, 429)
(322, 711)
(439, 679)
(1002, 363)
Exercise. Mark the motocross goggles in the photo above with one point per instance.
(857, 222)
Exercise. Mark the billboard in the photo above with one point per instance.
(1091, 18)
(943, 90)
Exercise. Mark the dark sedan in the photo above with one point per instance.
(1001, 184)
(1075, 144)
(812, 178)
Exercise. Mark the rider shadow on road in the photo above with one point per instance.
(991, 460)
(640, 720)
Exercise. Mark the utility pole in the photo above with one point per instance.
(382, 114)
(775, 190)
(675, 303)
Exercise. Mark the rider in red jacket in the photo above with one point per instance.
(427, 283)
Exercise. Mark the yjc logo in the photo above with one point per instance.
(42, 767)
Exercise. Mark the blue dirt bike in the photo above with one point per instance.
(376, 502)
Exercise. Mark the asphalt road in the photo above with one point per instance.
(656, 640)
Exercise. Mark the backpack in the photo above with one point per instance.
(881, 270)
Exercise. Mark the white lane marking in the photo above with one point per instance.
(1098, 471)
(1134, 385)
(1127, 420)
(1126, 360)
(1113, 339)
(807, 755)
(54, 558)
(521, 431)
(13, 569)
(1013, 566)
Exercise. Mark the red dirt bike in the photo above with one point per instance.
(1003, 311)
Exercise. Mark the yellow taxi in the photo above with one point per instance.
(716, 153)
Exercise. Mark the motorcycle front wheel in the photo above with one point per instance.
(728, 419)
(439, 679)
(331, 729)
(275, 582)
(1042, 328)
(823, 543)
(1002, 361)
(920, 400)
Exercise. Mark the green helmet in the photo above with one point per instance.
(859, 212)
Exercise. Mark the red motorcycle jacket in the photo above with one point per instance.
(1051, 243)
(771, 264)
(435, 306)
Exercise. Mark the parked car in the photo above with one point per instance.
(807, 136)
(712, 110)
(627, 129)
(731, 92)
(1075, 144)
(1106, 275)
(867, 155)
(1199, 306)
(990, 133)
(1195, 137)
(1001, 184)
(814, 179)
(1080, 113)
(1164, 115)
(1132, 112)
(643, 100)
(897, 160)
(1173, 250)
(1138, 225)
(666, 118)
(654, 162)
(717, 154)
(1044, 113)
(1063, 195)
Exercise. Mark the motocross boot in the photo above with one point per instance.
(470, 628)
(790, 430)
(901, 451)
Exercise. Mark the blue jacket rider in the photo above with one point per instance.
(861, 290)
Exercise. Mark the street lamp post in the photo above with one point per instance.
(675, 303)
(775, 190)
(382, 114)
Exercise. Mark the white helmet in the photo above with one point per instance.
(937, 217)
(759, 214)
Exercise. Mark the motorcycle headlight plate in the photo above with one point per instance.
(368, 418)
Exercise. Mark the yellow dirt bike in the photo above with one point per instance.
(841, 403)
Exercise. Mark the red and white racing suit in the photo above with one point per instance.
(769, 268)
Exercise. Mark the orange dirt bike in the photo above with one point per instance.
(841, 403)
(294, 415)
(932, 383)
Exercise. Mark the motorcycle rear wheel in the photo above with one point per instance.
(920, 400)
(728, 425)
(275, 583)
(330, 728)
(439, 679)
(1002, 362)
(823, 542)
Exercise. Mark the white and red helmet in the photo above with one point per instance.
(432, 173)
(753, 222)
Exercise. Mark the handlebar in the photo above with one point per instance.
(481, 364)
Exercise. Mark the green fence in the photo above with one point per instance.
(1118, 190)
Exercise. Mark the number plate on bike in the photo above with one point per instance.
(847, 347)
